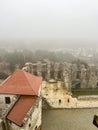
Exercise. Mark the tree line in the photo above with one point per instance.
(13, 59)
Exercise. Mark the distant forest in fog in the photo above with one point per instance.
(10, 60)
(14, 54)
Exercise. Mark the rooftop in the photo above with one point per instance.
(20, 109)
(27, 87)
(21, 83)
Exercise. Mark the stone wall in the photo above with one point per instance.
(51, 70)
(86, 75)
(6, 102)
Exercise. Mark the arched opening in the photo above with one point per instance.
(59, 101)
(29, 124)
(36, 128)
(68, 100)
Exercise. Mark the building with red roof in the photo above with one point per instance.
(22, 98)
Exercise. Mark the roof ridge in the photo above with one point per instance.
(28, 80)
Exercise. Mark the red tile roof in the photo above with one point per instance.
(21, 83)
(20, 109)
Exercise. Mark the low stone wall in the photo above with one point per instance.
(73, 104)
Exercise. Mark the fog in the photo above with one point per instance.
(41, 22)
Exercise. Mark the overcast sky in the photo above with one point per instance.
(49, 19)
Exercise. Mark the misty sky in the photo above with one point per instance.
(49, 19)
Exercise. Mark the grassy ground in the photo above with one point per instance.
(79, 92)
(69, 119)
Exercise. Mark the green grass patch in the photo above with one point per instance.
(80, 92)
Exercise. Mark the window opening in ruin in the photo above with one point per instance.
(68, 100)
(30, 125)
(78, 75)
(10, 122)
(59, 100)
(59, 74)
(0, 111)
(52, 74)
(7, 100)
(35, 73)
(36, 128)
(43, 75)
